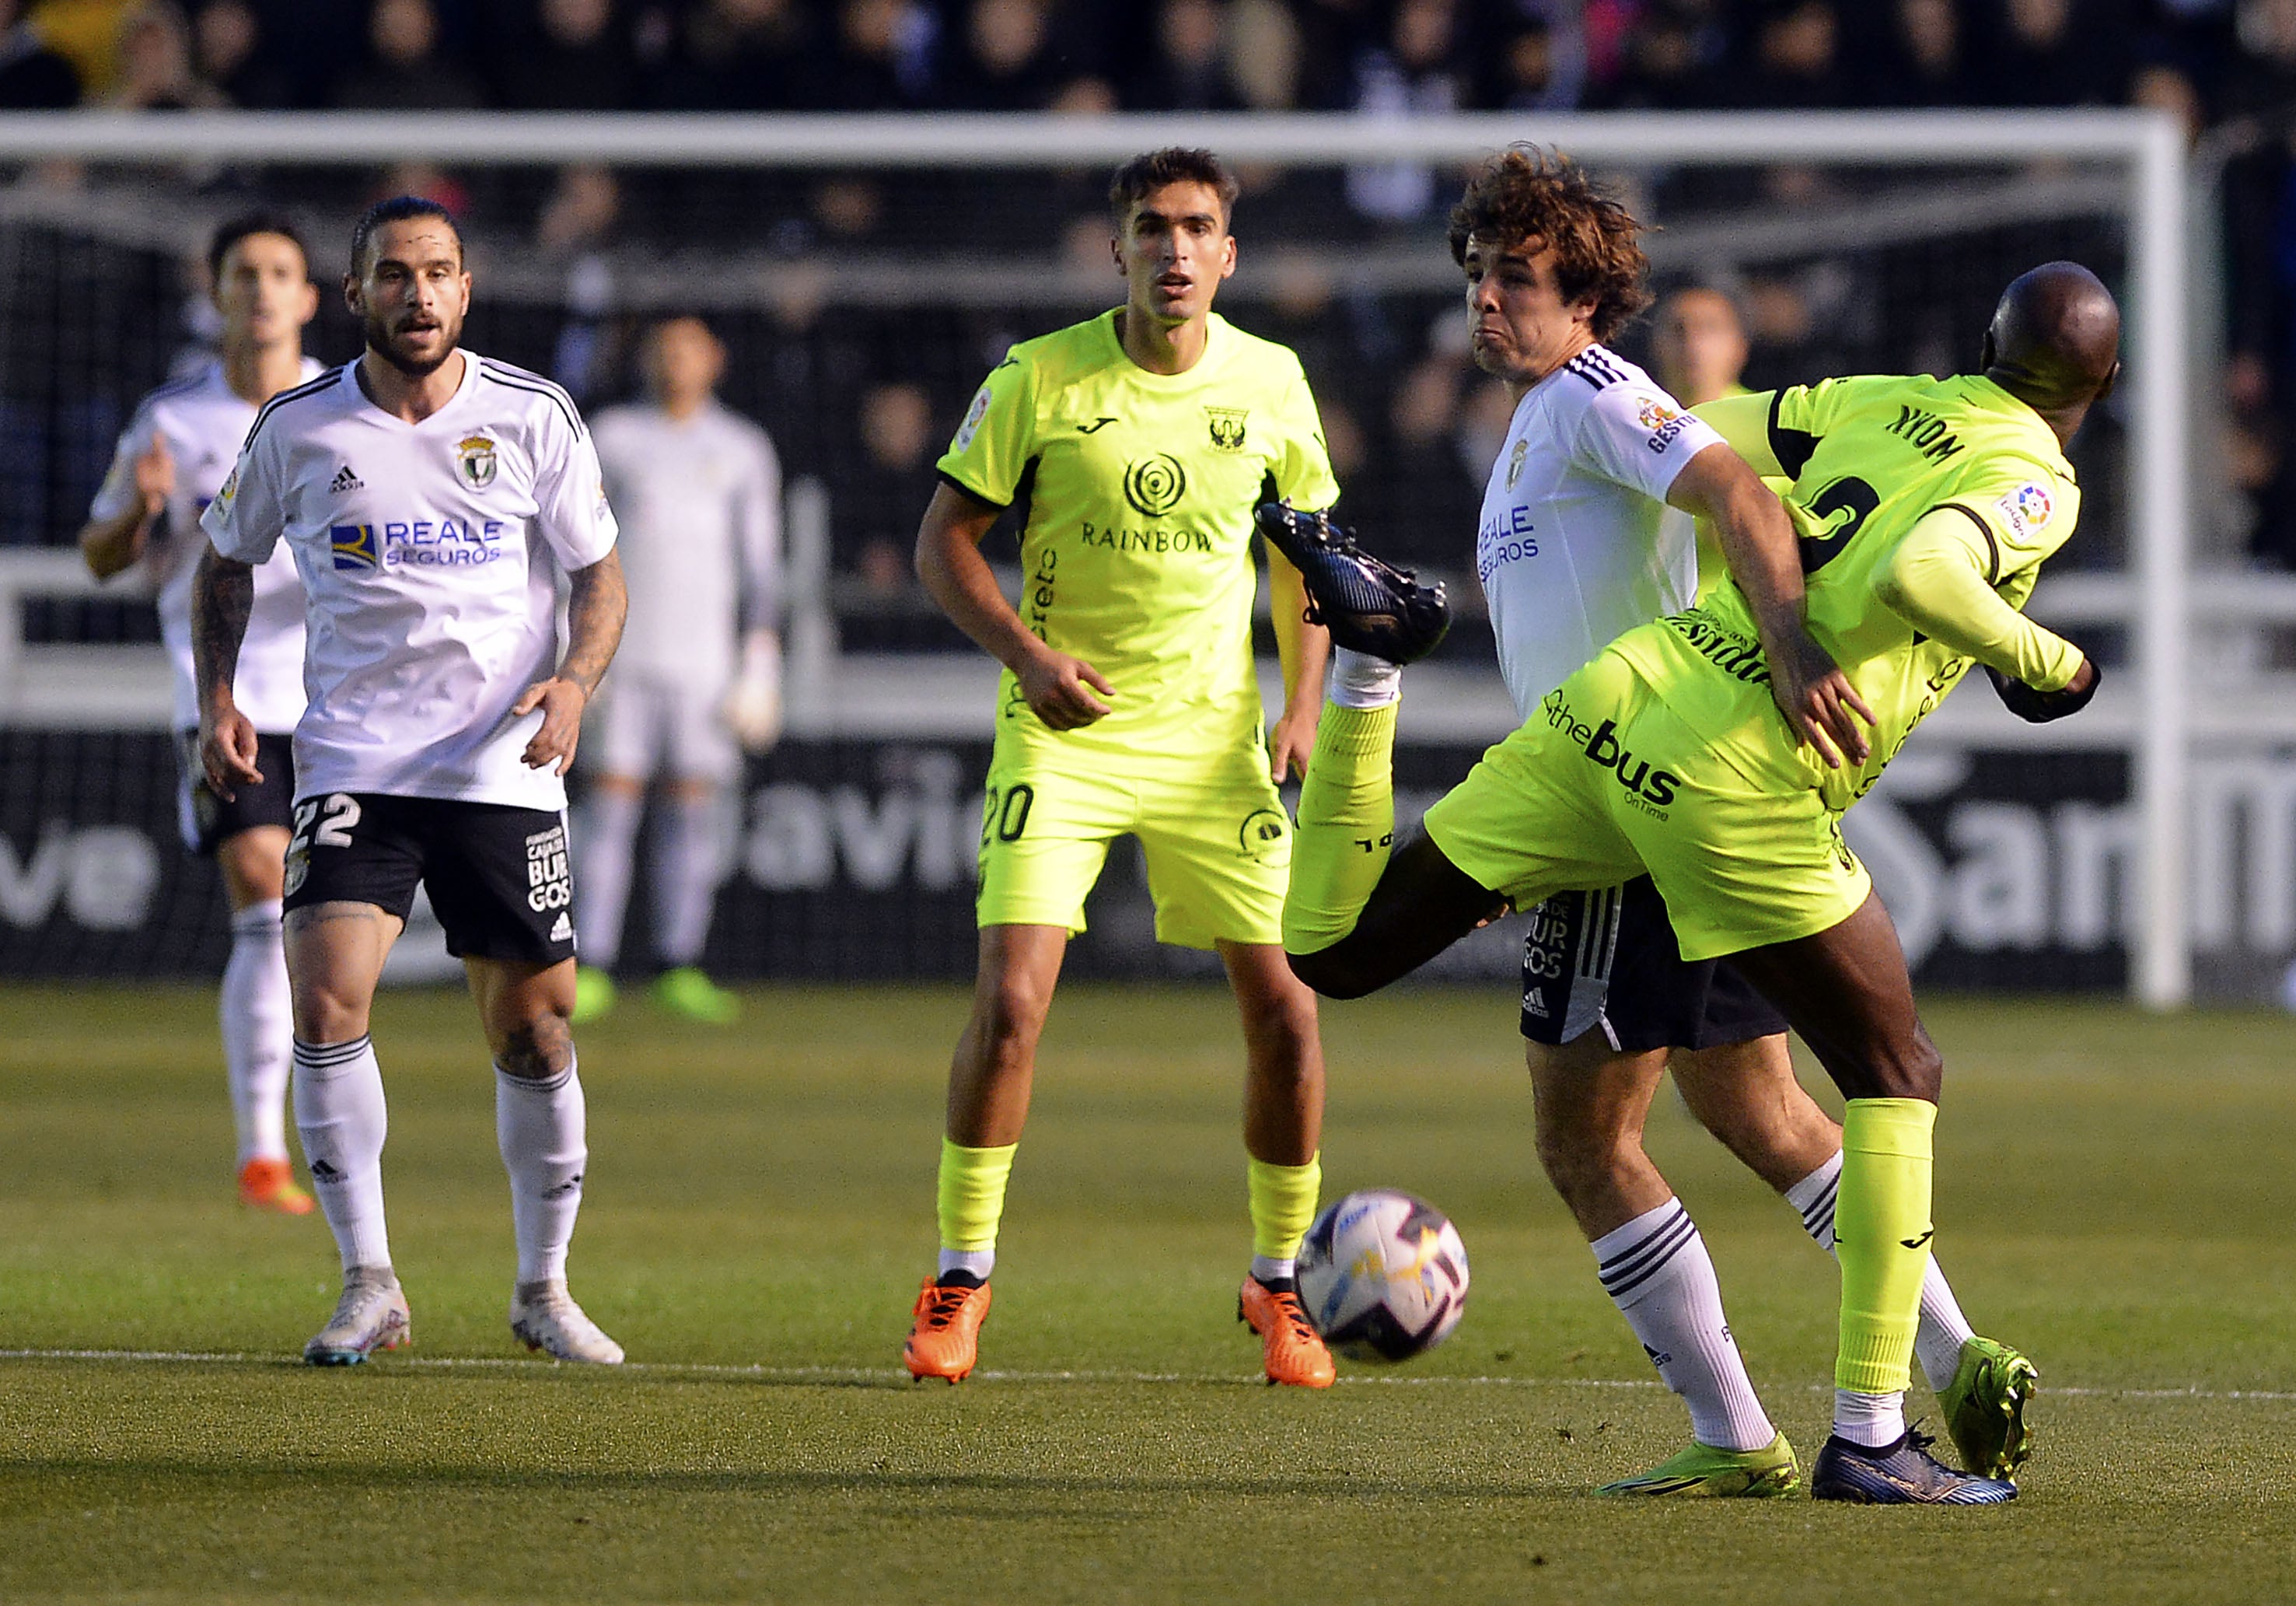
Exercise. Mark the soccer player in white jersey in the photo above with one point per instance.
(1577, 544)
(431, 499)
(171, 458)
(697, 489)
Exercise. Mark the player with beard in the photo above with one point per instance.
(431, 498)
(171, 459)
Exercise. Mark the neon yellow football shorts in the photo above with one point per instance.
(1216, 837)
(1605, 782)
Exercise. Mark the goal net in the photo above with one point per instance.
(865, 272)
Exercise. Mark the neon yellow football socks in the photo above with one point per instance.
(972, 1198)
(1283, 1205)
(1882, 1234)
(1346, 825)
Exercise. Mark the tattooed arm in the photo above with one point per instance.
(594, 629)
(223, 593)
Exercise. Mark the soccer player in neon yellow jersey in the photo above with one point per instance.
(1140, 440)
(1924, 508)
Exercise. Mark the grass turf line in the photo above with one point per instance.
(2113, 1195)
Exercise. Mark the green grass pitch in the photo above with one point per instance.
(2115, 1194)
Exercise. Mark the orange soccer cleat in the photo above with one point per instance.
(944, 1340)
(1295, 1355)
(269, 1184)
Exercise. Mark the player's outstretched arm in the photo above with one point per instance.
(1303, 649)
(1758, 542)
(596, 604)
(1060, 688)
(223, 595)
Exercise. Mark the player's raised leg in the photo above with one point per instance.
(541, 1126)
(334, 959)
(258, 1018)
(1591, 1103)
(1748, 1096)
(1846, 991)
(1283, 1129)
(990, 1077)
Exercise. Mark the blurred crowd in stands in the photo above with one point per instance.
(2226, 68)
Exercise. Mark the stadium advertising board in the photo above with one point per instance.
(854, 859)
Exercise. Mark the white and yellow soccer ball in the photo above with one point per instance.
(1382, 1275)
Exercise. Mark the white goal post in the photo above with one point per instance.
(2154, 600)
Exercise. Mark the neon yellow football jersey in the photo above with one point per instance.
(1869, 458)
(1137, 557)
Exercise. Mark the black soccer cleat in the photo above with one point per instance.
(1368, 606)
(1904, 1474)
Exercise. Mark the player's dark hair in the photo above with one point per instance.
(1173, 164)
(1526, 194)
(398, 209)
(234, 230)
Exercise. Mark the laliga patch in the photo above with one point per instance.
(1653, 414)
(474, 459)
(973, 415)
(2029, 509)
(230, 486)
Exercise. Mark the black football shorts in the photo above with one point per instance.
(205, 821)
(1608, 960)
(498, 876)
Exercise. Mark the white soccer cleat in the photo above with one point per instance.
(544, 1316)
(370, 1315)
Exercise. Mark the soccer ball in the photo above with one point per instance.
(1383, 1275)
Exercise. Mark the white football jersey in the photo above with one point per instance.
(1576, 545)
(699, 502)
(203, 421)
(430, 554)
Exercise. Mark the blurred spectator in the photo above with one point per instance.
(1797, 58)
(426, 179)
(1535, 58)
(32, 76)
(155, 64)
(882, 59)
(1698, 344)
(877, 509)
(737, 56)
(574, 62)
(1413, 71)
(2169, 88)
(1669, 59)
(2057, 52)
(1187, 70)
(1264, 51)
(404, 67)
(1011, 57)
(1922, 57)
(227, 51)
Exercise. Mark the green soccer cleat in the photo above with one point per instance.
(686, 990)
(593, 996)
(1704, 1470)
(1985, 1408)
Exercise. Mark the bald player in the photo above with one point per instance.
(1923, 509)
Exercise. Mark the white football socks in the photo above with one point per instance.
(980, 1262)
(1874, 1420)
(539, 1127)
(1938, 1341)
(1359, 681)
(1657, 1272)
(339, 1110)
(691, 864)
(605, 840)
(1272, 1269)
(258, 1032)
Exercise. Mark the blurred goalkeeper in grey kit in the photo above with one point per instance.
(697, 489)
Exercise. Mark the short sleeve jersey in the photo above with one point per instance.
(1576, 544)
(699, 503)
(1870, 458)
(202, 421)
(430, 554)
(1137, 554)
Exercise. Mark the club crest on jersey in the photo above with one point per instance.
(474, 458)
(1228, 427)
(1514, 462)
(2029, 509)
(354, 547)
